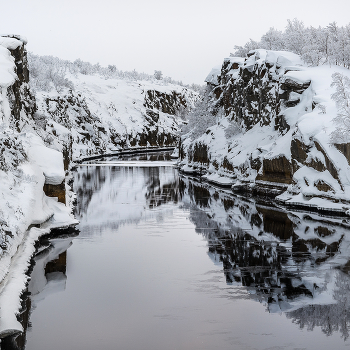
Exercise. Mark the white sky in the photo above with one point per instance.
(183, 38)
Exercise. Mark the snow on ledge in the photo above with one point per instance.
(15, 281)
(10, 43)
(212, 77)
(49, 160)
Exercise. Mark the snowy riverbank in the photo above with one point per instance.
(26, 213)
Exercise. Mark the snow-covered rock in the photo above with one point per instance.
(273, 132)
(104, 115)
(26, 165)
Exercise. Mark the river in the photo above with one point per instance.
(163, 261)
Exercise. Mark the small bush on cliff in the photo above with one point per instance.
(11, 152)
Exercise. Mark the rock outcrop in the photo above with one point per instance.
(272, 135)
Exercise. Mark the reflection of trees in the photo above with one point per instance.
(330, 318)
(284, 259)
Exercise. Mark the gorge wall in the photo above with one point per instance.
(100, 115)
(27, 169)
(272, 132)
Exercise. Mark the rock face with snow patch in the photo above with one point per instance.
(269, 138)
(26, 167)
(104, 115)
(20, 98)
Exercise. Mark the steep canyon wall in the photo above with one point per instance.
(273, 132)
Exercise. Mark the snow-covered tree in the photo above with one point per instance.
(341, 46)
(342, 100)
(158, 74)
(47, 72)
(294, 36)
(242, 51)
(200, 117)
(317, 46)
(342, 94)
(272, 40)
(112, 68)
(315, 50)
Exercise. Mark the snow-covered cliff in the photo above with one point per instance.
(95, 111)
(26, 167)
(101, 116)
(267, 127)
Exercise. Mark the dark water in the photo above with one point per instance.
(166, 262)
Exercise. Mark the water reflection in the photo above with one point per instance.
(106, 194)
(294, 263)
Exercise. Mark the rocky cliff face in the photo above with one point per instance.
(19, 96)
(30, 173)
(271, 136)
(103, 115)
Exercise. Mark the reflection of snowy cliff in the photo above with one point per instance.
(48, 276)
(287, 260)
(103, 191)
(45, 279)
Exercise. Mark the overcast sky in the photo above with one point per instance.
(182, 38)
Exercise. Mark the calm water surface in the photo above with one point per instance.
(166, 262)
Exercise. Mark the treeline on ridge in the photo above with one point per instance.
(316, 46)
